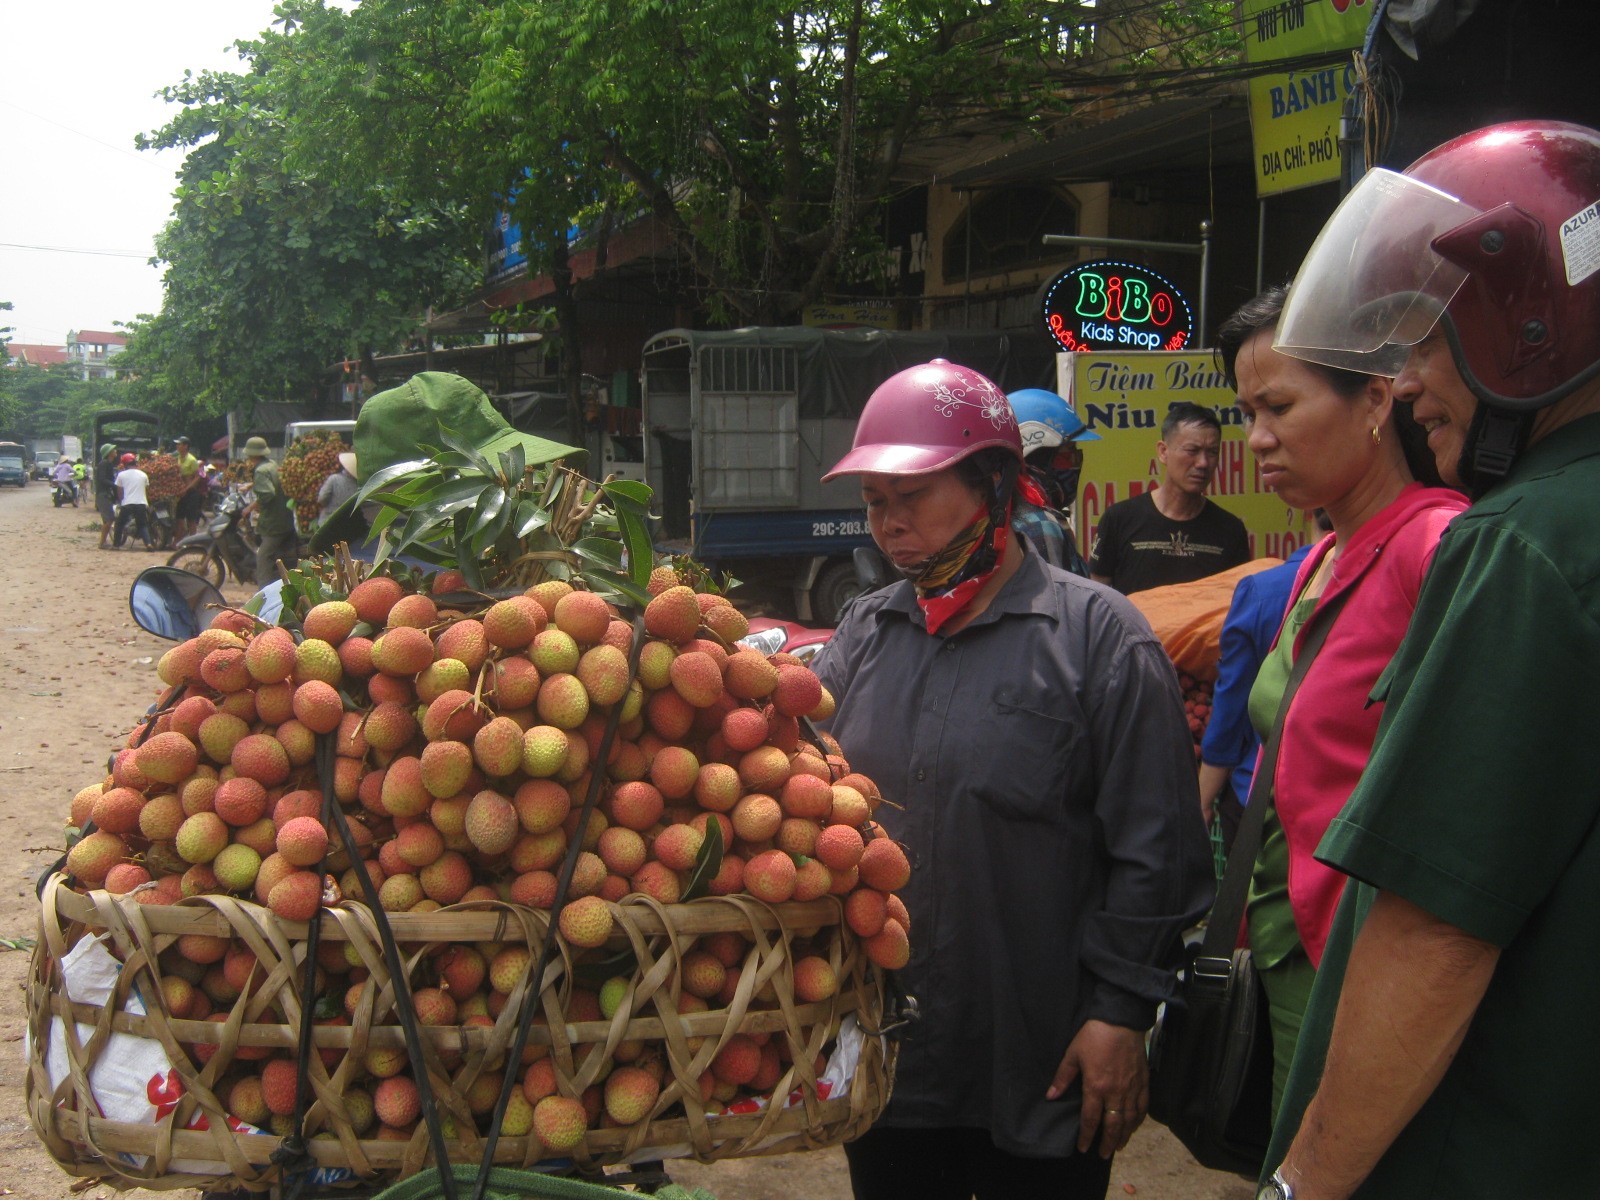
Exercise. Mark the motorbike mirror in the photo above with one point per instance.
(168, 601)
(872, 569)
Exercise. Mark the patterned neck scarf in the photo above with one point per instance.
(947, 581)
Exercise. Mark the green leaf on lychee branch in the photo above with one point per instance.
(707, 863)
(611, 582)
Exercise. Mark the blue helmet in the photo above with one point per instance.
(1045, 420)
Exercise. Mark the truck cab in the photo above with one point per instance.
(12, 468)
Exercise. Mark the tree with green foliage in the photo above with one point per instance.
(343, 182)
(273, 273)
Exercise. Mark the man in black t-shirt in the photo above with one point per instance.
(1172, 534)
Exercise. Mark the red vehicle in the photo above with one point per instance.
(770, 635)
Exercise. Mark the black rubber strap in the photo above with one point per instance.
(510, 1082)
(292, 1154)
(404, 1009)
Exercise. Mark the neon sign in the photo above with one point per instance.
(1111, 305)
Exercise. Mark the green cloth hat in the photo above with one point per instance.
(394, 425)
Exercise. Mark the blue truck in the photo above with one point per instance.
(741, 424)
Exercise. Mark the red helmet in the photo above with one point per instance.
(128, 458)
(928, 417)
(1499, 232)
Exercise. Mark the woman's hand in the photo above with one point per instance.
(1116, 1083)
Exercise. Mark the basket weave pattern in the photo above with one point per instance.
(268, 1015)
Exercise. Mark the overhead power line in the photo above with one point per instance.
(76, 250)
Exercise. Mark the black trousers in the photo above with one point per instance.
(963, 1164)
(139, 514)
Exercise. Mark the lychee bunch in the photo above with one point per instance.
(466, 745)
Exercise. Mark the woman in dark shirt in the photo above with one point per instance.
(1028, 730)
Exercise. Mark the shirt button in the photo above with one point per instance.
(950, 647)
(921, 775)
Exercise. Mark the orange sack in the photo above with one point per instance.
(1188, 617)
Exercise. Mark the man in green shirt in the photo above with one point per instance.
(193, 493)
(1450, 1044)
(274, 521)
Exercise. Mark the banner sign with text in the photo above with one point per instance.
(1294, 116)
(1124, 398)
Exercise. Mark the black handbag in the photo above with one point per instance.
(1211, 1051)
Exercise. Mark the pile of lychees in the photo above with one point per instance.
(466, 745)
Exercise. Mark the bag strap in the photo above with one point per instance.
(1222, 928)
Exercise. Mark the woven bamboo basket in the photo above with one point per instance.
(205, 1056)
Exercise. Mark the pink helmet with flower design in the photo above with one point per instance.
(927, 418)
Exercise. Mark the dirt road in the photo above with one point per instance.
(76, 671)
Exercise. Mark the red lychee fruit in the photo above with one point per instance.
(884, 866)
(890, 948)
(302, 841)
(865, 912)
(331, 621)
(261, 757)
(514, 623)
(497, 747)
(586, 921)
(374, 596)
(560, 1122)
(756, 817)
(456, 715)
(582, 616)
(317, 706)
(465, 642)
(630, 1094)
(738, 1060)
(678, 846)
(492, 824)
(563, 701)
(839, 847)
(414, 610)
(673, 616)
(403, 651)
(814, 980)
(770, 876)
(167, 757)
(297, 896)
(388, 726)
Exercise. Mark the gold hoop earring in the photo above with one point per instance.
(1377, 438)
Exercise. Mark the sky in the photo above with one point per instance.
(79, 82)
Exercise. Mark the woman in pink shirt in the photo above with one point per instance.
(1324, 438)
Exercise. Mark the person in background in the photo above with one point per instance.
(105, 492)
(274, 522)
(1228, 750)
(1028, 728)
(61, 474)
(1172, 533)
(133, 490)
(1330, 439)
(191, 498)
(339, 487)
(1450, 1045)
(80, 474)
(1051, 445)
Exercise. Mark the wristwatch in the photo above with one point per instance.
(1276, 1188)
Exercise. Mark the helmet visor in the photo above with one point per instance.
(1373, 285)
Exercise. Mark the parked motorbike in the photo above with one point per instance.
(64, 492)
(224, 547)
